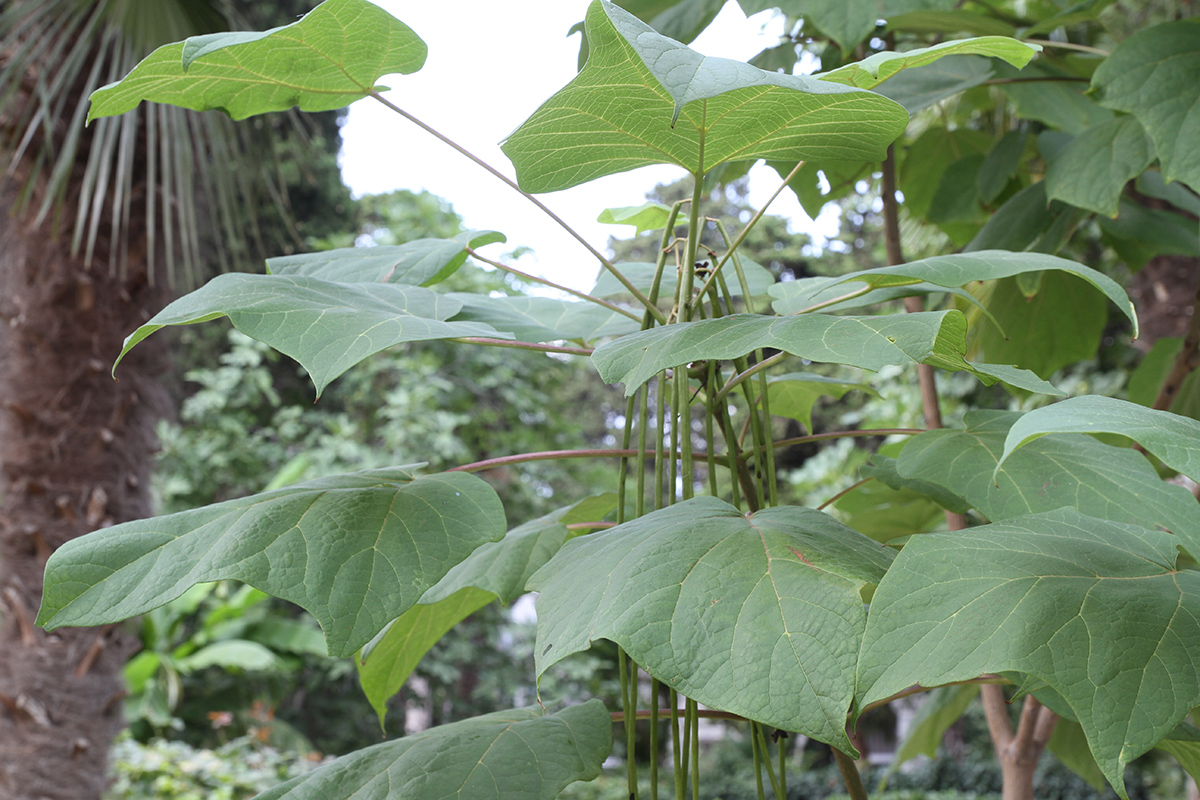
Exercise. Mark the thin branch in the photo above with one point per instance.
(854, 784)
(561, 455)
(820, 437)
(834, 300)
(843, 493)
(995, 707)
(766, 363)
(1022, 741)
(547, 282)
(1044, 728)
(543, 348)
(1083, 48)
(608, 265)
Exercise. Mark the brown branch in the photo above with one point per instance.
(995, 708)
(93, 652)
(1185, 361)
(1044, 728)
(14, 601)
(1022, 742)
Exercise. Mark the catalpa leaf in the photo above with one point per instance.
(543, 319)
(646, 217)
(960, 269)
(421, 262)
(935, 338)
(355, 550)
(805, 295)
(327, 60)
(494, 571)
(1063, 470)
(326, 326)
(794, 394)
(1091, 171)
(1172, 438)
(645, 99)
(759, 615)
(1152, 75)
(878, 67)
(1094, 608)
(524, 754)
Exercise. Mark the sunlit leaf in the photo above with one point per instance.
(354, 550)
(507, 755)
(326, 326)
(645, 99)
(327, 60)
(1094, 608)
(878, 67)
(756, 614)
(646, 217)
(421, 262)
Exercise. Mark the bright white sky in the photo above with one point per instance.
(489, 69)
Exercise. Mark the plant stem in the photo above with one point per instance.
(1083, 48)
(547, 282)
(766, 363)
(695, 720)
(834, 300)
(854, 784)
(843, 493)
(757, 732)
(756, 751)
(608, 265)
(541, 348)
(750, 226)
(560, 455)
(654, 690)
(687, 282)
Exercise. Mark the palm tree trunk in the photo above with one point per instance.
(74, 449)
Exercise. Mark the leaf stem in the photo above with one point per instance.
(766, 363)
(834, 301)
(608, 265)
(560, 455)
(750, 225)
(1083, 48)
(854, 784)
(547, 282)
(843, 493)
(484, 341)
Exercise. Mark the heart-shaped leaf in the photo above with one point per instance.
(494, 571)
(1091, 171)
(878, 67)
(421, 262)
(507, 755)
(936, 338)
(328, 327)
(1152, 75)
(327, 60)
(645, 99)
(1094, 608)
(757, 614)
(1064, 470)
(1174, 439)
(355, 550)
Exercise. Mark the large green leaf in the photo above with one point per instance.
(1152, 75)
(1092, 170)
(936, 338)
(927, 159)
(921, 88)
(1094, 608)
(756, 614)
(960, 269)
(494, 571)
(877, 68)
(507, 755)
(793, 297)
(1076, 471)
(329, 59)
(1174, 439)
(355, 550)
(1046, 93)
(421, 262)
(645, 99)
(794, 394)
(543, 319)
(327, 326)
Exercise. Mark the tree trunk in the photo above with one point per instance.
(74, 457)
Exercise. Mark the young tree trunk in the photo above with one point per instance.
(1018, 751)
(74, 457)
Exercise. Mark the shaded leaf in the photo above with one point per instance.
(756, 614)
(793, 297)
(1092, 607)
(951, 21)
(232, 653)
(1138, 234)
(494, 571)
(1018, 223)
(1053, 96)
(354, 550)
(1152, 75)
(940, 709)
(1070, 745)
(935, 338)
(875, 509)
(1001, 165)
(1084, 11)
(1175, 440)
(794, 394)
(645, 99)
(507, 755)
(923, 87)
(878, 67)
(886, 471)
(1091, 172)
(1076, 471)
(543, 319)
(328, 327)
(1146, 381)
(310, 64)
(926, 160)
(421, 262)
